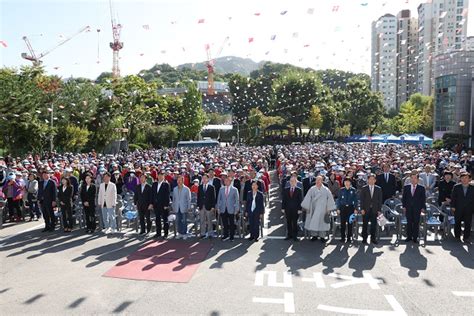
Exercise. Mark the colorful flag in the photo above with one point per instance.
(200, 21)
(250, 39)
(273, 37)
(4, 44)
(283, 12)
(310, 11)
(257, 14)
(146, 27)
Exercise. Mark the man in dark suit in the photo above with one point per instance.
(371, 206)
(216, 182)
(445, 188)
(47, 199)
(291, 206)
(143, 201)
(248, 184)
(387, 182)
(414, 202)
(462, 204)
(308, 182)
(255, 207)
(206, 203)
(160, 196)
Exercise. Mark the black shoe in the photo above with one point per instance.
(467, 240)
(407, 239)
(415, 241)
(323, 240)
(343, 240)
(296, 239)
(314, 238)
(348, 240)
(157, 236)
(256, 239)
(364, 242)
(458, 239)
(250, 238)
(374, 242)
(231, 239)
(287, 238)
(45, 230)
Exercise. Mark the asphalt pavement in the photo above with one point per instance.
(61, 274)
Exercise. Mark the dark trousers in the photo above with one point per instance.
(13, 208)
(66, 211)
(48, 215)
(462, 216)
(161, 215)
(370, 216)
(292, 223)
(89, 212)
(144, 214)
(33, 206)
(413, 223)
(228, 220)
(346, 212)
(254, 223)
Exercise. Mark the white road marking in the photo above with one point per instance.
(272, 279)
(2, 239)
(373, 283)
(397, 309)
(463, 293)
(288, 301)
(317, 278)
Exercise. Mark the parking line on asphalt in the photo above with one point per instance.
(288, 301)
(397, 309)
(463, 293)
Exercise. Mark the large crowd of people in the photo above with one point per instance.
(232, 183)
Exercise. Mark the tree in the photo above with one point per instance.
(294, 94)
(410, 119)
(315, 119)
(191, 117)
(72, 138)
(426, 105)
(363, 108)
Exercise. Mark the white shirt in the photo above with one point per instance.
(158, 186)
(252, 208)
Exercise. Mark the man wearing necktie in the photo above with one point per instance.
(291, 207)
(143, 203)
(47, 199)
(161, 200)
(228, 206)
(371, 206)
(414, 203)
(462, 204)
(206, 203)
(387, 182)
(254, 210)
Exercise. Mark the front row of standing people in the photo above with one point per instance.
(318, 202)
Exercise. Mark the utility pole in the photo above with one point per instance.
(51, 137)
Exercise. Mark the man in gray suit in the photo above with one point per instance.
(228, 206)
(371, 206)
(181, 206)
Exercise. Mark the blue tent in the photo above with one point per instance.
(413, 139)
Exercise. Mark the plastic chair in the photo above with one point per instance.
(392, 202)
(391, 221)
(432, 220)
(335, 222)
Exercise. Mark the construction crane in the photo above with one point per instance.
(210, 66)
(116, 45)
(37, 59)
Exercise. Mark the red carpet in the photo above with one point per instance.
(166, 261)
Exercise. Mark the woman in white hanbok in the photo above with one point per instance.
(317, 203)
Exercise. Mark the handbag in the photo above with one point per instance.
(327, 218)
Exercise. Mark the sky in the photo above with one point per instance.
(320, 34)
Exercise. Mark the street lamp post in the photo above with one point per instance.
(462, 124)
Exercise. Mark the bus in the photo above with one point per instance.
(198, 143)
